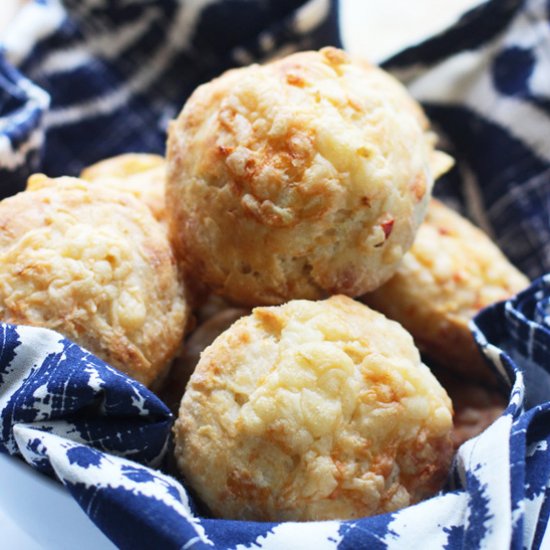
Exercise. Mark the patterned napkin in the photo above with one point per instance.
(102, 78)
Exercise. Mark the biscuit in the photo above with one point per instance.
(313, 411)
(93, 264)
(452, 271)
(301, 178)
(142, 175)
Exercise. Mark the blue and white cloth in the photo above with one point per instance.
(92, 78)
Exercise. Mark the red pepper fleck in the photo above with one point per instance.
(387, 227)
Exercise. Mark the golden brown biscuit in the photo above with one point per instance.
(141, 174)
(452, 271)
(311, 411)
(93, 264)
(297, 179)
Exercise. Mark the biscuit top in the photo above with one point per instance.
(313, 410)
(142, 175)
(460, 269)
(122, 166)
(94, 264)
(317, 351)
(299, 128)
(303, 177)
